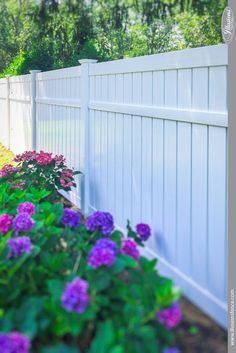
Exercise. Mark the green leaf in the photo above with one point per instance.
(50, 219)
(27, 317)
(100, 279)
(117, 349)
(123, 262)
(148, 265)
(104, 339)
(55, 288)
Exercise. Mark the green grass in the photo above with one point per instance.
(6, 156)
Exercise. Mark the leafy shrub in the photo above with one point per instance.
(6, 156)
(75, 286)
(41, 170)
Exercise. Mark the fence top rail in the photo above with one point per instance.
(215, 55)
(3, 81)
(68, 72)
(20, 79)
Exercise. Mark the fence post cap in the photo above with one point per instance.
(87, 61)
(34, 71)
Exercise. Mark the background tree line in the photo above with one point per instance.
(50, 34)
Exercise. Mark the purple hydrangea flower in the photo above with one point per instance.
(19, 246)
(71, 218)
(5, 223)
(171, 316)
(75, 296)
(129, 247)
(103, 253)
(143, 230)
(171, 350)
(106, 243)
(22, 222)
(14, 342)
(102, 221)
(26, 207)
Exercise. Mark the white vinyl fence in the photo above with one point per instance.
(150, 136)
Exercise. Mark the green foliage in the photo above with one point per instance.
(123, 298)
(49, 34)
(6, 156)
(40, 170)
(198, 30)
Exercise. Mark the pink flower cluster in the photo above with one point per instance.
(5, 223)
(66, 176)
(8, 169)
(59, 159)
(44, 158)
(22, 221)
(129, 247)
(27, 207)
(26, 156)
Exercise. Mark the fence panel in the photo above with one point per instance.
(60, 128)
(162, 159)
(154, 134)
(20, 113)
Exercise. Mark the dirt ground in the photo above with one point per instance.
(198, 333)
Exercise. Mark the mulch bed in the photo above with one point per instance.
(198, 333)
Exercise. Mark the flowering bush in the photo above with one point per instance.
(75, 286)
(39, 169)
(14, 342)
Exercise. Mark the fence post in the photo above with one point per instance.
(85, 97)
(8, 111)
(33, 107)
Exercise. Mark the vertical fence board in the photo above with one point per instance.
(217, 210)
(127, 168)
(157, 186)
(184, 197)
(199, 203)
(169, 241)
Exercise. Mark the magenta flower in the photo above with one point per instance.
(22, 222)
(44, 158)
(26, 156)
(19, 246)
(129, 247)
(67, 173)
(65, 183)
(102, 221)
(143, 230)
(8, 169)
(59, 159)
(75, 296)
(27, 207)
(171, 316)
(103, 253)
(71, 218)
(5, 223)
(14, 342)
